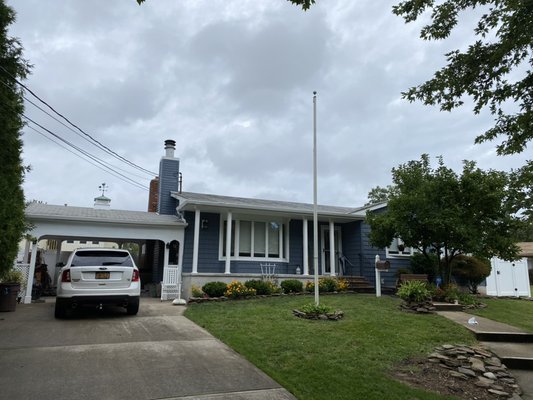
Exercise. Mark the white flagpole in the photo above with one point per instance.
(315, 213)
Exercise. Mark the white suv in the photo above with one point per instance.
(98, 277)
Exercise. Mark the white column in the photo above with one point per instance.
(31, 272)
(58, 257)
(228, 244)
(196, 244)
(306, 247)
(332, 248)
(27, 251)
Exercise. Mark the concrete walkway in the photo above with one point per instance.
(158, 354)
(507, 342)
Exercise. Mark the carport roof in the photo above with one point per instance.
(40, 211)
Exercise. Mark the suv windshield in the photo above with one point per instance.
(101, 257)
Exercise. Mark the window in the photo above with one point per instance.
(255, 239)
(398, 249)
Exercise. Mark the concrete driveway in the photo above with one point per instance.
(158, 354)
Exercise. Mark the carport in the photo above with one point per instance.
(163, 234)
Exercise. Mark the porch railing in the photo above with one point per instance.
(25, 271)
(170, 286)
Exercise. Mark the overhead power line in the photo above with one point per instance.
(101, 145)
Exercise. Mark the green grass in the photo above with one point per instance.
(348, 359)
(514, 312)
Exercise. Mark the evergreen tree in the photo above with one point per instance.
(12, 65)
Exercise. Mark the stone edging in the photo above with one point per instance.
(334, 316)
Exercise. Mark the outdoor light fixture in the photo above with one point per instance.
(204, 224)
(167, 245)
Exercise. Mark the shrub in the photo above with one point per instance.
(327, 285)
(421, 264)
(451, 293)
(467, 299)
(214, 289)
(471, 270)
(342, 285)
(12, 276)
(414, 291)
(237, 290)
(261, 287)
(196, 291)
(312, 308)
(292, 286)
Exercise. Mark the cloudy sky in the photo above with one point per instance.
(232, 83)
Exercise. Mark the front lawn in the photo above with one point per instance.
(348, 359)
(514, 312)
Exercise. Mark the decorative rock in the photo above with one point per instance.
(489, 375)
(466, 371)
(458, 375)
(493, 361)
(499, 392)
(484, 382)
(477, 364)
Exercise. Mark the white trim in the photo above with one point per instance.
(323, 229)
(332, 252)
(388, 254)
(282, 256)
(227, 269)
(196, 242)
(306, 246)
(31, 273)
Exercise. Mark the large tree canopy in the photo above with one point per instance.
(12, 172)
(436, 211)
(495, 71)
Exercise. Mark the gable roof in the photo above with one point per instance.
(40, 211)
(188, 201)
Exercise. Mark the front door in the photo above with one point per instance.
(326, 251)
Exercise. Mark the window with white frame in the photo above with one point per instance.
(397, 248)
(255, 239)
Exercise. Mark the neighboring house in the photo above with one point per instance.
(205, 237)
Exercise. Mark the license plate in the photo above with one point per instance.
(102, 275)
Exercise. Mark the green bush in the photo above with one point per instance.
(414, 292)
(12, 276)
(261, 287)
(471, 270)
(421, 264)
(292, 286)
(196, 291)
(214, 289)
(327, 285)
(236, 290)
(312, 308)
(451, 293)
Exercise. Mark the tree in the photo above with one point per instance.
(493, 71)
(12, 65)
(379, 195)
(472, 270)
(305, 4)
(437, 211)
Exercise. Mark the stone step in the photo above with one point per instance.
(509, 337)
(447, 306)
(513, 355)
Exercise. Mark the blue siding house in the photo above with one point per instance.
(234, 238)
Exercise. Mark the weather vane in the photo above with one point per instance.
(103, 187)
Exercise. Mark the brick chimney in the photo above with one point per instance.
(153, 195)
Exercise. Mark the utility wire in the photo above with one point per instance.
(68, 127)
(116, 155)
(85, 153)
(82, 151)
(78, 155)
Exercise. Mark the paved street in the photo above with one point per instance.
(158, 354)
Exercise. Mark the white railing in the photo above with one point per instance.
(171, 284)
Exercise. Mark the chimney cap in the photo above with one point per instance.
(170, 143)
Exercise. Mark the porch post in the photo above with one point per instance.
(306, 247)
(58, 257)
(26, 259)
(31, 272)
(332, 248)
(196, 241)
(228, 244)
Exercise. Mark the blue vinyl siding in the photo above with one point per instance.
(208, 247)
(296, 255)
